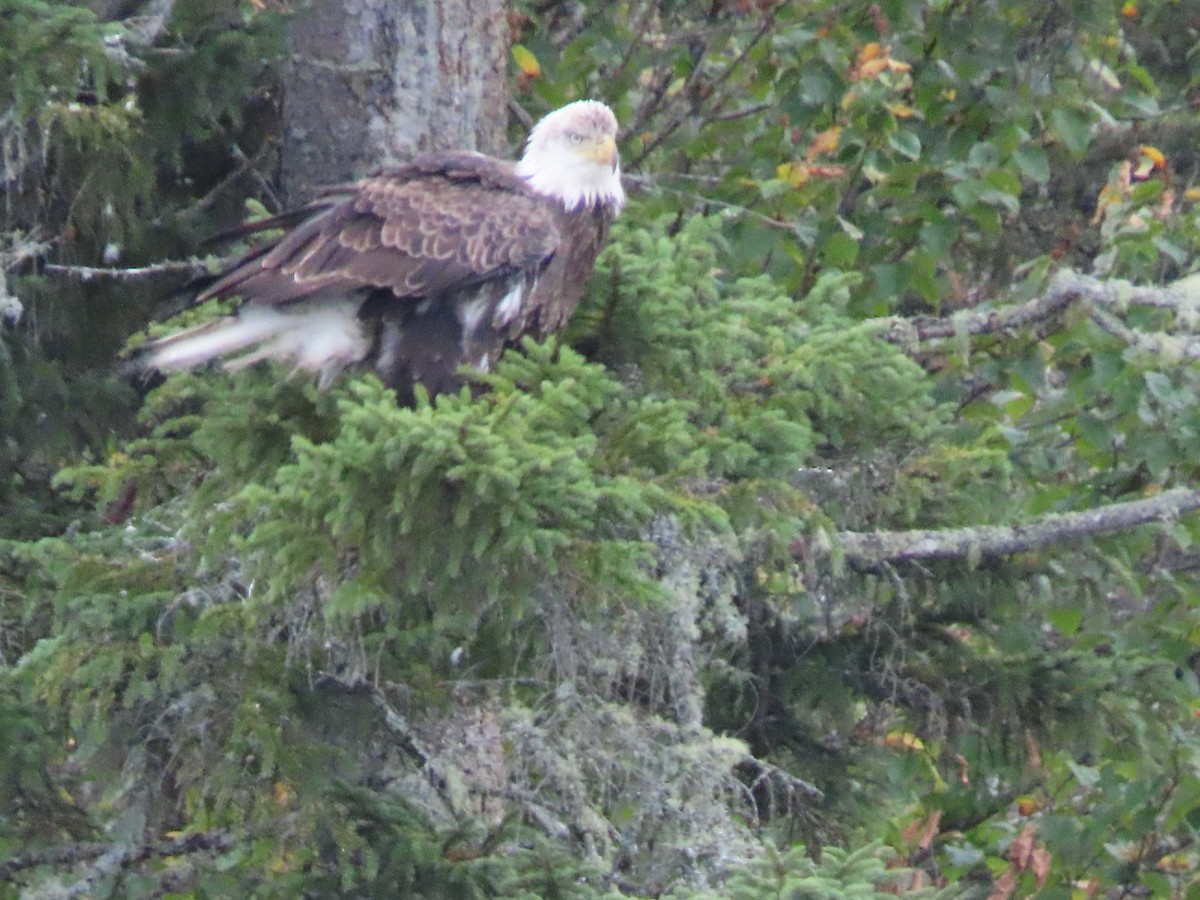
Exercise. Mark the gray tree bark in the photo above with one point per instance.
(375, 82)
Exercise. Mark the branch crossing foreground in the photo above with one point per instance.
(1101, 299)
(866, 549)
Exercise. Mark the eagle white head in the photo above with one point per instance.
(571, 155)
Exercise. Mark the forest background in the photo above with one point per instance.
(845, 546)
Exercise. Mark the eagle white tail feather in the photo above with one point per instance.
(324, 338)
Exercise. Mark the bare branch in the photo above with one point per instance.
(1101, 297)
(715, 96)
(765, 772)
(866, 549)
(249, 165)
(1181, 297)
(1171, 346)
(744, 113)
(191, 268)
(898, 330)
(148, 27)
(245, 164)
(408, 741)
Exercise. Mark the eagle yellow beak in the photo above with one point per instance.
(603, 151)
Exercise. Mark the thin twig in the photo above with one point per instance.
(273, 203)
(651, 183)
(715, 94)
(245, 164)
(192, 268)
(734, 114)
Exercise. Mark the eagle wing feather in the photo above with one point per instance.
(421, 230)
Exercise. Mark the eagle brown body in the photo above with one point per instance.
(423, 268)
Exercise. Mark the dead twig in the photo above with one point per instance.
(191, 268)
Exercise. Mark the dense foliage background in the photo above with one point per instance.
(650, 615)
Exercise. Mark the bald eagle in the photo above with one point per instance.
(422, 268)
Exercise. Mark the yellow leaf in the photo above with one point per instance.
(1107, 197)
(872, 68)
(873, 60)
(901, 110)
(903, 740)
(1192, 194)
(1156, 156)
(526, 61)
(870, 51)
(825, 142)
(1175, 862)
(794, 174)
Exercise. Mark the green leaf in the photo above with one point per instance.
(906, 143)
(1067, 620)
(1073, 128)
(840, 250)
(1033, 162)
(1087, 776)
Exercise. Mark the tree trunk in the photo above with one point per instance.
(371, 83)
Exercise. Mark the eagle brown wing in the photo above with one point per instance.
(442, 223)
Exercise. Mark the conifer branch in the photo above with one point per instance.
(115, 857)
(868, 549)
